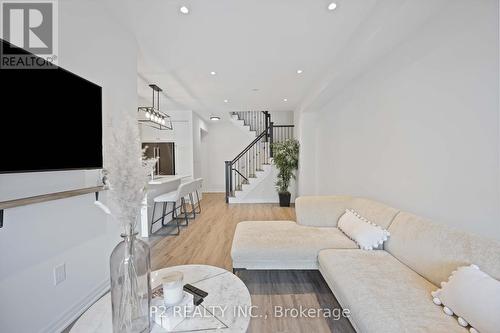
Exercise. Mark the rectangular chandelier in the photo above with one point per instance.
(152, 116)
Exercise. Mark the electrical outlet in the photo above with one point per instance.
(59, 274)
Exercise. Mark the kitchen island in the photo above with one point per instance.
(159, 185)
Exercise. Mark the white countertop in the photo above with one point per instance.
(165, 179)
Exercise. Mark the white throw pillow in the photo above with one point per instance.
(473, 296)
(366, 234)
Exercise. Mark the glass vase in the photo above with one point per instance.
(130, 285)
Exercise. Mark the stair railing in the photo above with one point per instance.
(245, 165)
(258, 121)
(279, 133)
(250, 160)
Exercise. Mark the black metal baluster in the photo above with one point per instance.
(271, 138)
(254, 161)
(251, 162)
(267, 152)
(227, 181)
(260, 121)
(260, 157)
(247, 165)
(264, 146)
(255, 155)
(231, 179)
(239, 176)
(263, 152)
(266, 161)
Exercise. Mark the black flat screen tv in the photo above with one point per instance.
(50, 119)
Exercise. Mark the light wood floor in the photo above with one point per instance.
(207, 240)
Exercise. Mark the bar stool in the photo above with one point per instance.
(172, 197)
(199, 184)
(192, 187)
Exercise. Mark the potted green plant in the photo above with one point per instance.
(286, 159)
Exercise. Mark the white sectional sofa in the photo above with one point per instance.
(386, 290)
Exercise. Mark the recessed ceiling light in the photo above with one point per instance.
(285, 99)
(226, 101)
(184, 10)
(213, 73)
(332, 6)
(299, 71)
(214, 118)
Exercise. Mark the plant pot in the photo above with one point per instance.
(284, 199)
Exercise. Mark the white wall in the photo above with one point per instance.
(200, 129)
(305, 132)
(420, 128)
(282, 117)
(73, 231)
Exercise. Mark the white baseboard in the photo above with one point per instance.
(69, 316)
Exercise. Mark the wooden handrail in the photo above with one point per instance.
(48, 197)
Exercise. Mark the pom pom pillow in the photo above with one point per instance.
(367, 235)
(473, 296)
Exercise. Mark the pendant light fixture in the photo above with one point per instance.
(152, 116)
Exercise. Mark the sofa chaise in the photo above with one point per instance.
(386, 290)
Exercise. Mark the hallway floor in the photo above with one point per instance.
(207, 240)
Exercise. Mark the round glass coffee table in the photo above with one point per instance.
(226, 308)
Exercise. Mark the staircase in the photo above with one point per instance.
(252, 167)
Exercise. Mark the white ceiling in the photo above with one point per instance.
(260, 44)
